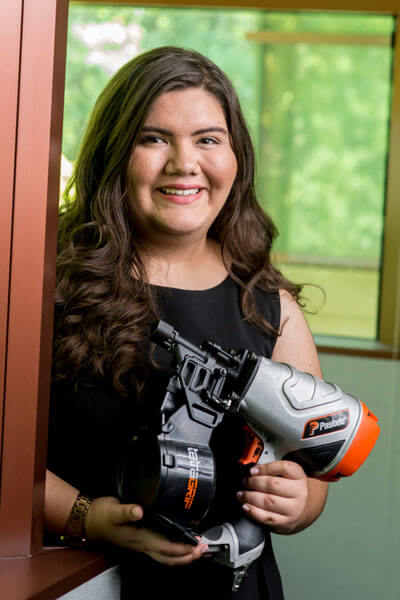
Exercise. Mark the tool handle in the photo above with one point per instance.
(235, 543)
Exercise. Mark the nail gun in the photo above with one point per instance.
(288, 414)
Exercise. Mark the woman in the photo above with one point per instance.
(163, 222)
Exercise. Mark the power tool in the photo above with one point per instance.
(169, 466)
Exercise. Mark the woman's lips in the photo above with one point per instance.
(180, 195)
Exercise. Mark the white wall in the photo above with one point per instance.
(105, 586)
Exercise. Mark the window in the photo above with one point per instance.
(316, 90)
(322, 156)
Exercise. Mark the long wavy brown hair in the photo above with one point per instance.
(102, 312)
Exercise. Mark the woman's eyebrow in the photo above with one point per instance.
(156, 129)
(208, 129)
(197, 132)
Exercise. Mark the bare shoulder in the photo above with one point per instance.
(295, 345)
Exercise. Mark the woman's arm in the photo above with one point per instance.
(58, 501)
(279, 494)
(110, 521)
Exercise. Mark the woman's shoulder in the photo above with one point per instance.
(290, 308)
(295, 344)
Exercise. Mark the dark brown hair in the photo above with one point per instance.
(102, 313)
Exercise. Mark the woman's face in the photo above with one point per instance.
(183, 166)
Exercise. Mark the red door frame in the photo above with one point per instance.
(32, 55)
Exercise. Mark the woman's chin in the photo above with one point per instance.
(184, 228)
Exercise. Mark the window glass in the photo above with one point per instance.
(322, 159)
(318, 111)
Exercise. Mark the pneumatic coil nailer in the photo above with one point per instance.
(287, 414)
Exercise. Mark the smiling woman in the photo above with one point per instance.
(99, 211)
(161, 221)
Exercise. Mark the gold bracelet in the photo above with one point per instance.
(75, 528)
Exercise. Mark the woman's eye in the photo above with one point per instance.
(151, 139)
(208, 141)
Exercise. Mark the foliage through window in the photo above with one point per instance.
(318, 111)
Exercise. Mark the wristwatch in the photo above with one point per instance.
(75, 528)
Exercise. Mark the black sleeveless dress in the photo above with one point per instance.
(88, 428)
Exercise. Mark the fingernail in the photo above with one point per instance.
(254, 470)
(245, 507)
(135, 513)
(239, 495)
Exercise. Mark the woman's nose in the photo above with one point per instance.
(182, 160)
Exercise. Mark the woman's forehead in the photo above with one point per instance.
(194, 107)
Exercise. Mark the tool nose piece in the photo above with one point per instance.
(159, 331)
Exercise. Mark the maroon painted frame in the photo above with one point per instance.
(32, 34)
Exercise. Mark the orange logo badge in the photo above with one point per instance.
(193, 477)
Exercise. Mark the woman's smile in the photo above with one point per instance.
(181, 194)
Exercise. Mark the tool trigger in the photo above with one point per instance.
(253, 447)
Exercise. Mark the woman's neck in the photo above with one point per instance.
(197, 267)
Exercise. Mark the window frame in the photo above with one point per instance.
(33, 40)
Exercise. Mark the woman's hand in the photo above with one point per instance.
(277, 496)
(108, 520)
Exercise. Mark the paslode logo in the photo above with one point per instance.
(326, 424)
(193, 477)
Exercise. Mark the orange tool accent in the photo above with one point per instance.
(254, 447)
(191, 492)
(359, 449)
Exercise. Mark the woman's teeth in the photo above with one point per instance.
(175, 192)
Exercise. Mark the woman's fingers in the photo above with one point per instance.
(110, 521)
(170, 553)
(269, 502)
(151, 540)
(276, 495)
(126, 513)
(196, 553)
(275, 521)
(159, 547)
(279, 468)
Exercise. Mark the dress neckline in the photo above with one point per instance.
(190, 291)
